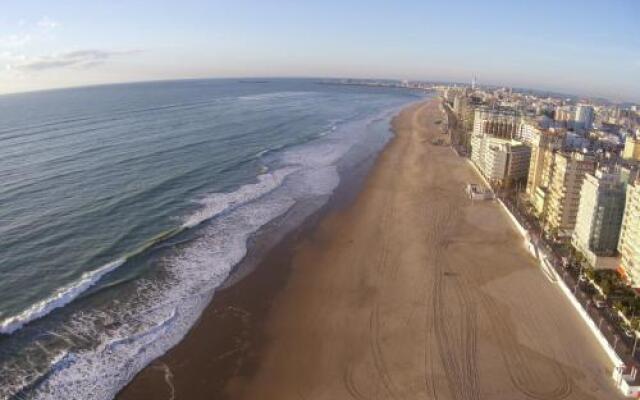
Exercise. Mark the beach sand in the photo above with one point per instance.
(410, 292)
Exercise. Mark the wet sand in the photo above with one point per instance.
(412, 291)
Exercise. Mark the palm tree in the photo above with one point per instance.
(590, 273)
(634, 324)
(605, 286)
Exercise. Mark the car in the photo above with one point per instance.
(601, 304)
(583, 278)
(630, 333)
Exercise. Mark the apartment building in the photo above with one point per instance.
(564, 114)
(497, 123)
(599, 218)
(629, 244)
(543, 145)
(584, 117)
(631, 149)
(529, 131)
(563, 197)
(501, 161)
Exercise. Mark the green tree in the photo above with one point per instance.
(605, 285)
(617, 305)
(590, 273)
(635, 305)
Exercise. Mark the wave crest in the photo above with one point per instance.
(59, 298)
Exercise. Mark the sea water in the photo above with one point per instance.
(124, 207)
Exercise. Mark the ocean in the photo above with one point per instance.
(124, 207)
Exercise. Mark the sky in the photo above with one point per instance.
(582, 47)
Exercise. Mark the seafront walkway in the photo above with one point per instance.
(604, 320)
(622, 348)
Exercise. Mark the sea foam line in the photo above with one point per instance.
(59, 298)
(217, 203)
(195, 273)
(212, 206)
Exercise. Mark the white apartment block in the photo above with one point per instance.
(498, 123)
(599, 217)
(563, 198)
(584, 116)
(528, 132)
(543, 144)
(501, 161)
(629, 244)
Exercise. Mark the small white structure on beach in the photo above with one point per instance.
(476, 192)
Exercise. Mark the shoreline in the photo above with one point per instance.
(402, 290)
(261, 274)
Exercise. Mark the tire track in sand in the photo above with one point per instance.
(521, 374)
(455, 338)
(382, 268)
(456, 341)
(350, 384)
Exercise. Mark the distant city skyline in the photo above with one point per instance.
(587, 48)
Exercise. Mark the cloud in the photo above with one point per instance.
(15, 40)
(30, 33)
(47, 23)
(80, 59)
(13, 57)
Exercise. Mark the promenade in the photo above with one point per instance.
(561, 269)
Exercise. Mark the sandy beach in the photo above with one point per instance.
(410, 291)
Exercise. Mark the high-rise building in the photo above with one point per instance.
(499, 157)
(563, 198)
(599, 217)
(468, 109)
(563, 114)
(460, 104)
(539, 193)
(584, 117)
(501, 161)
(631, 149)
(528, 131)
(543, 144)
(629, 244)
(496, 123)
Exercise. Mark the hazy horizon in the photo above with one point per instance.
(584, 48)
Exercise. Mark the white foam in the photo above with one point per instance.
(217, 203)
(320, 181)
(113, 344)
(212, 206)
(195, 273)
(59, 298)
(164, 311)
